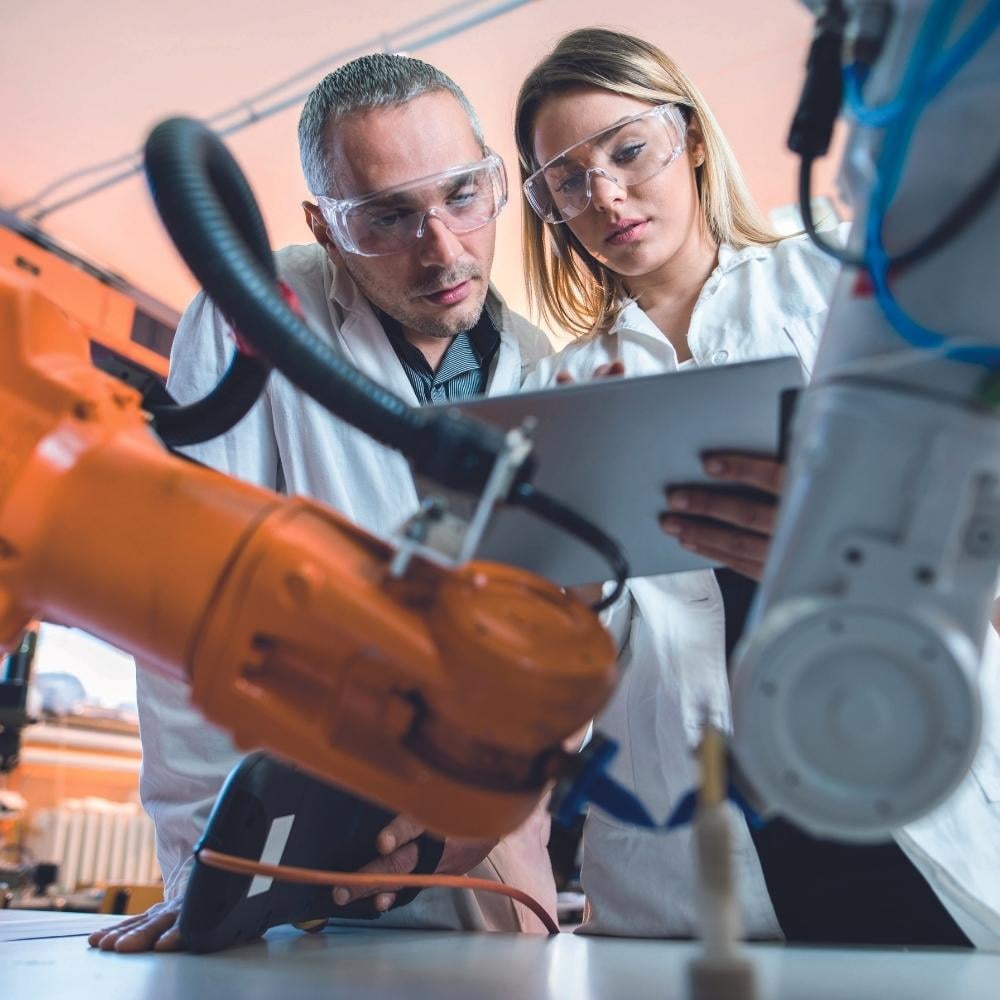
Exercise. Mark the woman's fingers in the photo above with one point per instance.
(758, 471)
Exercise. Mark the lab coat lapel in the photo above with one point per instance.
(362, 337)
(382, 473)
(506, 375)
(367, 347)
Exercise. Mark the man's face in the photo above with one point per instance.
(438, 286)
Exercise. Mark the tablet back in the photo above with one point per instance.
(608, 448)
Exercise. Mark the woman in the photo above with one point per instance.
(641, 238)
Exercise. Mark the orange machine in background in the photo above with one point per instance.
(131, 332)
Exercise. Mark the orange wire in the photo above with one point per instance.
(313, 876)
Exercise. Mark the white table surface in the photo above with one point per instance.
(365, 964)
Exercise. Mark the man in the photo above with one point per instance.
(398, 280)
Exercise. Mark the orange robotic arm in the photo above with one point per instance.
(444, 693)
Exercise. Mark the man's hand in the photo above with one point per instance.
(154, 930)
(735, 530)
(398, 856)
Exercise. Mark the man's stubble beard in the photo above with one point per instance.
(415, 320)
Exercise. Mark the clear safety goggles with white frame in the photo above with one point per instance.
(385, 222)
(627, 153)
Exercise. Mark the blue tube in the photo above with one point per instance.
(923, 78)
(942, 72)
(964, 50)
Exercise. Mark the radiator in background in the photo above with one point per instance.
(95, 842)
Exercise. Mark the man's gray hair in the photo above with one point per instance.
(378, 80)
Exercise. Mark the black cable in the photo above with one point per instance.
(209, 210)
(942, 234)
(221, 410)
(245, 378)
(204, 201)
(551, 510)
(819, 104)
(957, 219)
(805, 208)
(816, 114)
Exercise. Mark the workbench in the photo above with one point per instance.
(44, 956)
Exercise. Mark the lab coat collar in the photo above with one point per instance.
(730, 257)
(632, 317)
(343, 290)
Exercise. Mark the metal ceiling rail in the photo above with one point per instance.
(247, 111)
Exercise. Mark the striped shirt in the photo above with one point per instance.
(464, 370)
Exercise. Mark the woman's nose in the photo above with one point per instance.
(605, 191)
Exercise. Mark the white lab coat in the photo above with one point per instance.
(290, 443)
(757, 303)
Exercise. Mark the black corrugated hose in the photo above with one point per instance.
(221, 410)
(207, 207)
(210, 213)
(244, 380)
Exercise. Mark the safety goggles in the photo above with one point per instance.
(627, 153)
(463, 198)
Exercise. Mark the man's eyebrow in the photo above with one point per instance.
(394, 201)
(457, 182)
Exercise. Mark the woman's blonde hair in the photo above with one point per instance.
(571, 288)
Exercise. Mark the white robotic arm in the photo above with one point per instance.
(856, 699)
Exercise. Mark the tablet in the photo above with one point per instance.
(609, 447)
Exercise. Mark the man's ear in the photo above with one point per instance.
(321, 232)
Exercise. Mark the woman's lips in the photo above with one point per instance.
(627, 231)
(449, 296)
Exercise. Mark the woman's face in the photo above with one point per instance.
(633, 230)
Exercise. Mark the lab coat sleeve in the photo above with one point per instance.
(957, 846)
(200, 354)
(185, 759)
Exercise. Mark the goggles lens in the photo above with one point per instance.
(463, 198)
(628, 153)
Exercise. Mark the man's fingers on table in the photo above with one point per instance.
(157, 928)
(169, 941)
(95, 938)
